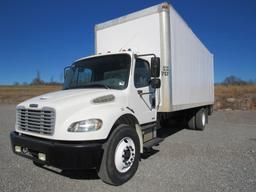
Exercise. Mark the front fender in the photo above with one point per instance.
(107, 113)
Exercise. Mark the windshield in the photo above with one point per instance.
(110, 72)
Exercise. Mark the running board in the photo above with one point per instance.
(153, 142)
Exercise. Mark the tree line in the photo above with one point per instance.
(233, 80)
(230, 80)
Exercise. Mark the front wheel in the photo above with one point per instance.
(121, 156)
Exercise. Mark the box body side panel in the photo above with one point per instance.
(191, 67)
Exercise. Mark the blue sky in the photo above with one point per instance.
(47, 35)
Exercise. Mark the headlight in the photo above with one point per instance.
(85, 125)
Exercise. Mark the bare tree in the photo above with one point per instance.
(233, 80)
(37, 80)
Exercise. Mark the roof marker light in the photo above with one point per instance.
(165, 6)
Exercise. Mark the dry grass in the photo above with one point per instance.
(226, 97)
(17, 94)
(241, 97)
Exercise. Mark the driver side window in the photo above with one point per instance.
(141, 73)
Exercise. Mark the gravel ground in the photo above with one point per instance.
(221, 158)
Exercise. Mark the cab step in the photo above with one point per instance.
(153, 142)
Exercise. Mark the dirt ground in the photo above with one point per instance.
(222, 158)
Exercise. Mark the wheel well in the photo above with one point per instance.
(127, 119)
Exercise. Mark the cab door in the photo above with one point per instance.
(143, 101)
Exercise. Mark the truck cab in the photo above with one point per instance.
(104, 96)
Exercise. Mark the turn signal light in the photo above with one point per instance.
(165, 6)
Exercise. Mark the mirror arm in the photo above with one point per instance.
(146, 93)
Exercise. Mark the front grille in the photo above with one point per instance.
(36, 121)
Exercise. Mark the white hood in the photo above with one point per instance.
(75, 105)
(66, 97)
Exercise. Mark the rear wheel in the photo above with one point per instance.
(210, 110)
(201, 119)
(121, 156)
(192, 122)
(198, 119)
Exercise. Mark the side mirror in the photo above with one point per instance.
(155, 67)
(155, 83)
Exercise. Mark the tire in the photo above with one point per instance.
(210, 110)
(121, 156)
(192, 122)
(201, 119)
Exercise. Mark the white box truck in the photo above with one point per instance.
(148, 67)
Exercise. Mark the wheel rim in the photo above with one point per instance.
(124, 154)
(203, 118)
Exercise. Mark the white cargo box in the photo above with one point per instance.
(186, 64)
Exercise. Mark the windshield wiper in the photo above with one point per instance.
(96, 85)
